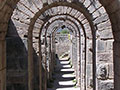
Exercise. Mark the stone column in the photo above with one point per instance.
(3, 26)
(78, 60)
(40, 66)
(52, 52)
(30, 62)
(50, 65)
(116, 61)
(45, 61)
(2, 65)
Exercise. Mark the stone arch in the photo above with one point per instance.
(64, 4)
(106, 3)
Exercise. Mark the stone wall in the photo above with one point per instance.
(104, 64)
(103, 24)
(62, 44)
(17, 61)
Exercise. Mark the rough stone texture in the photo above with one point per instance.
(89, 75)
(101, 45)
(16, 60)
(17, 54)
(62, 44)
(111, 71)
(106, 34)
(74, 58)
(105, 57)
(103, 25)
(102, 72)
(106, 85)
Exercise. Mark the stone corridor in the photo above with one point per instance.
(33, 33)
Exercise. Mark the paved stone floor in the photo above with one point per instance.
(64, 76)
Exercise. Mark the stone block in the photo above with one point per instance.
(91, 83)
(89, 74)
(98, 4)
(95, 14)
(106, 34)
(105, 57)
(106, 25)
(101, 19)
(91, 8)
(87, 3)
(25, 10)
(110, 71)
(89, 58)
(101, 45)
(102, 71)
(109, 45)
(102, 10)
(106, 85)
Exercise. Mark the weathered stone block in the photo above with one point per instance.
(91, 8)
(89, 58)
(106, 85)
(101, 19)
(102, 71)
(101, 45)
(95, 14)
(109, 45)
(110, 71)
(106, 25)
(89, 74)
(105, 57)
(87, 3)
(106, 34)
(91, 83)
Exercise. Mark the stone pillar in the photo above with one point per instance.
(78, 61)
(40, 66)
(30, 62)
(116, 60)
(50, 65)
(52, 52)
(2, 65)
(45, 61)
(83, 66)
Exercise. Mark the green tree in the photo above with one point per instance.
(64, 32)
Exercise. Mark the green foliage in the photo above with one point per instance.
(64, 32)
(75, 81)
(70, 62)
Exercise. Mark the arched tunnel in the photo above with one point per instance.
(39, 39)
